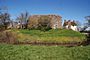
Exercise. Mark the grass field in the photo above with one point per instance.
(58, 35)
(28, 52)
(33, 52)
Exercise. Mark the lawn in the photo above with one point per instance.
(44, 52)
(58, 35)
(29, 52)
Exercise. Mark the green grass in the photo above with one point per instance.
(58, 35)
(28, 52)
(52, 33)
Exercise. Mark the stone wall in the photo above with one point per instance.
(55, 21)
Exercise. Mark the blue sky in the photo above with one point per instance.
(68, 9)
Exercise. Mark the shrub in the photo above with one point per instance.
(40, 23)
(2, 27)
(44, 23)
(8, 37)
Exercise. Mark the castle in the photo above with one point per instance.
(55, 20)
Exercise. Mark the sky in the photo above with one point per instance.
(67, 9)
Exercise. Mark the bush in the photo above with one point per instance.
(39, 23)
(8, 37)
(44, 23)
(2, 27)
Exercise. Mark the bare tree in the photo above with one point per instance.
(4, 19)
(88, 20)
(23, 18)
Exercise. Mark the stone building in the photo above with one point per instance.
(70, 25)
(55, 21)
